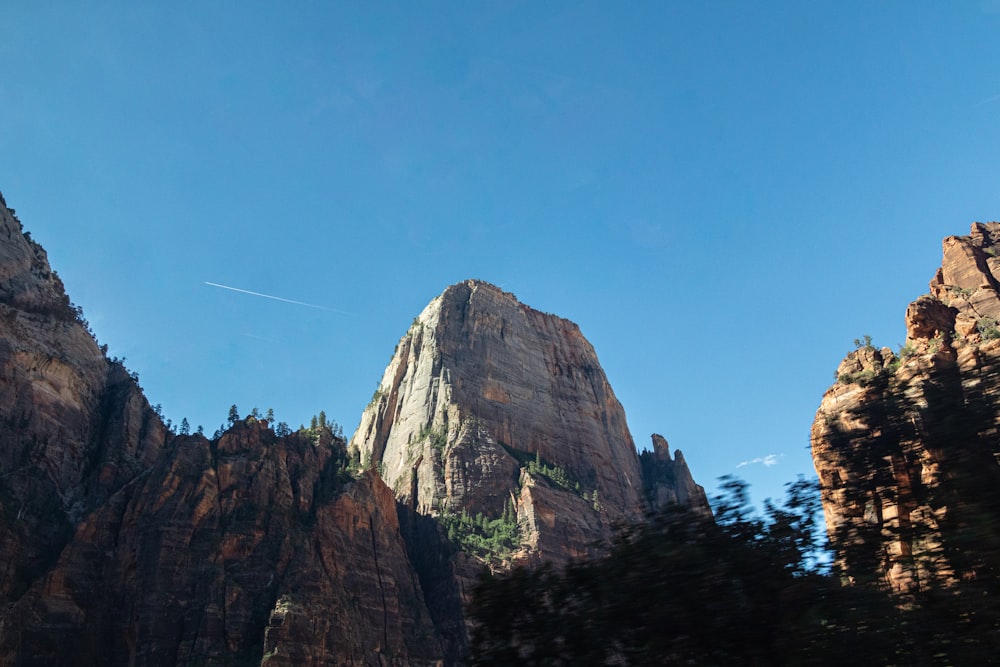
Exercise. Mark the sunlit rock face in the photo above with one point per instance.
(481, 386)
(906, 444)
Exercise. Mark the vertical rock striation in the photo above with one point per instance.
(488, 403)
(906, 445)
(251, 550)
(126, 545)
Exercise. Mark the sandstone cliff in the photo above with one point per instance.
(905, 444)
(250, 550)
(491, 407)
(125, 544)
(74, 427)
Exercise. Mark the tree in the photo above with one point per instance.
(255, 413)
(185, 427)
(234, 414)
(200, 430)
(270, 415)
(683, 589)
(314, 423)
(322, 419)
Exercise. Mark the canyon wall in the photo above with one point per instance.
(494, 438)
(906, 443)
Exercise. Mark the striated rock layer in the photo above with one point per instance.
(906, 445)
(244, 551)
(488, 403)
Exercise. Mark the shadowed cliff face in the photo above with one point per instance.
(906, 445)
(74, 427)
(480, 388)
(250, 550)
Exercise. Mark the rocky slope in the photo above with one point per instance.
(491, 407)
(905, 444)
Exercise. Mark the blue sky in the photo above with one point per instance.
(723, 195)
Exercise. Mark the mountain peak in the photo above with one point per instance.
(489, 403)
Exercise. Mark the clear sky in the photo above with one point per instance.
(723, 195)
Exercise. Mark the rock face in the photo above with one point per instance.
(488, 404)
(251, 550)
(74, 427)
(122, 543)
(906, 445)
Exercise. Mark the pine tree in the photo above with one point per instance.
(185, 427)
(322, 419)
(270, 414)
(234, 414)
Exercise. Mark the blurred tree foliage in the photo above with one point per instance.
(742, 590)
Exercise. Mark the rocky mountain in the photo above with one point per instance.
(126, 544)
(906, 443)
(494, 437)
(489, 407)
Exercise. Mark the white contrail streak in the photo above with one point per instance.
(276, 298)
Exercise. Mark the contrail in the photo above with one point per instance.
(277, 298)
(986, 101)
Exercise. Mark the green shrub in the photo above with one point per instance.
(489, 539)
(988, 328)
(438, 437)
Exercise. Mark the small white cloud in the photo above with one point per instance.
(768, 461)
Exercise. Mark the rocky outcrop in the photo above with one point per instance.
(905, 444)
(489, 404)
(668, 480)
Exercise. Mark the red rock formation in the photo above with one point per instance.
(74, 427)
(479, 387)
(906, 445)
(123, 544)
(246, 550)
